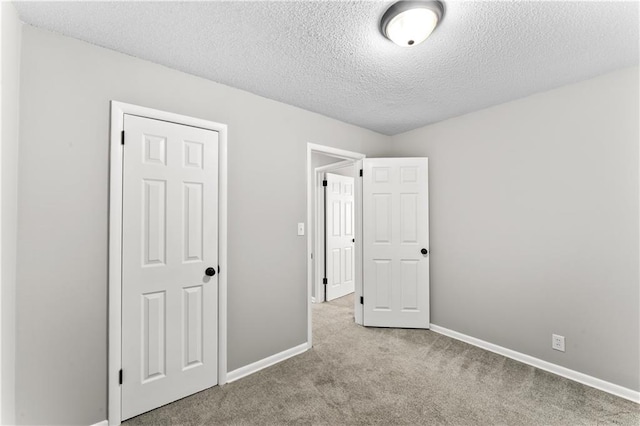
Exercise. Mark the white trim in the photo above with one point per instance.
(1, 233)
(102, 423)
(223, 277)
(334, 152)
(254, 367)
(334, 166)
(118, 109)
(347, 155)
(358, 308)
(318, 241)
(576, 376)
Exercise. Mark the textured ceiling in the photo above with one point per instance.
(329, 56)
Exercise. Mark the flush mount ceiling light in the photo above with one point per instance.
(409, 23)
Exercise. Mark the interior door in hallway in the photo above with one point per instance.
(169, 259)
(340, 254)
(396, 242)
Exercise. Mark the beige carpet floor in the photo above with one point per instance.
(356, 375)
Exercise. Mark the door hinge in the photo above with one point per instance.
(120, 377)
(324, 281)
(361, 300)
(360, 172)
(324, 182)
(122, 138)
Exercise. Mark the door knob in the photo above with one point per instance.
(210, 272)
(424, 251)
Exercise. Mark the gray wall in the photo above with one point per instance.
(62, 249)
(534, 224)
(9, 87)
(534, 219)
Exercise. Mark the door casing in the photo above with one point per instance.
(118, 110)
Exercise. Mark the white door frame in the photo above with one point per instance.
(318, 214)
(118, 110)
(311, 193)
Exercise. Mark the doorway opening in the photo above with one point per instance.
(334, 237)
(390, 237)
(342, 168)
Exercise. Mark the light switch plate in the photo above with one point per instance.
(301, 228)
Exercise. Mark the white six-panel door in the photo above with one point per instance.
(340, 258)
(169, 239)
(396, 232)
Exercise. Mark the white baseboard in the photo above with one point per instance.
(241, 372)
(602, 385)
(102, 423)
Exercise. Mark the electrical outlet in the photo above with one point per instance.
(557, 342)
(301, 228)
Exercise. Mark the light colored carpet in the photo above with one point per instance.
(358, 375)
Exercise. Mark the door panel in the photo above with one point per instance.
(396, 228)
(383, 285)
(154, 335)
(170, 236)
(193, 327)
(192, 221)
(340, 253)
(382, 218)
(153, 221)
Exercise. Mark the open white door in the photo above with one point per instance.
(169, 260)
(396, 242)
(340, 258)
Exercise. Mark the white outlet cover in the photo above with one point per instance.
(301, 228)
(557, 342)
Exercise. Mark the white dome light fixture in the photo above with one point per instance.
(409, 23)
